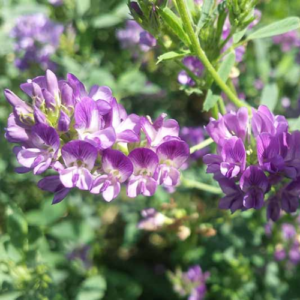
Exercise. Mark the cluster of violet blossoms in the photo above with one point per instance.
(90, 142)
(256, 160)
(288, 249)
(134, 35)
(36, 39)
(191, 283)
(287, 41)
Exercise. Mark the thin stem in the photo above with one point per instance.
(215, 111)
(201, 145)
(189, 183)
(232, 87)
(202, 56)
(222, 106)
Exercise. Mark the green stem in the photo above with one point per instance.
(201, 145)
(200, 186)
(215, 111)
(202, 56)
(222, 107)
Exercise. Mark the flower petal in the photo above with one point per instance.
(116, 160)
(143, 159)
(81, 151)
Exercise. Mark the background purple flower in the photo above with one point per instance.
(36, 39)
(195, 66)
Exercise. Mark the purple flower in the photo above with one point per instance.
(264, 121)
(195, 66)
(45, 145)
(79, 158)
(91, 133)
(234, 196)
(195, 278)
(230, 163)
(127, 128)
(147, 41)
(287, 40)
(270, 152)
(152, 220)
(255, 184)
(53, 184)
(16, 132)
(234, 158)
(133, 35)
(273, 209)
(288, 231)
(81, 253)
(290, 196)
(36, 39)
(294, 253)
(232, 124)
(279, 254)
(56, 2)
(172, 155)
(90, 125)
(116, 169)
(160, 130)
(145, 162)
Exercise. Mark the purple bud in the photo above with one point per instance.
(135, 9)
(63, 122)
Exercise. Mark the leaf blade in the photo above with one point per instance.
(276, 28)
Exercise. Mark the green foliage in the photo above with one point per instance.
(276, 28)
(86, 249)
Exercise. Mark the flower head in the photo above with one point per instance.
(36, 39)
(90, 141)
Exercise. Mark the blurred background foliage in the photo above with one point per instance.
(86, 249)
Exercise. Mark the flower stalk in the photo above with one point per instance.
(182, 9)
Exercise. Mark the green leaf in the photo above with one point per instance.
(47, 214)
(238, 36)
(276, 28)
(213, 94)
(17, 227)
(10, 296)
(294, 124)
(270, 96)
(106, 21)
(205, 13)
(226, 66)
(175, 24)
(92, 288)
(82, 6)
(210, 100)
(172, 55)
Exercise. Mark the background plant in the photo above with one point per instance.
(89, 249)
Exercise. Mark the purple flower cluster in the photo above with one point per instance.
(56, 2)
(90, 141)
(192, 283)
(134, 35)
(195, 66)
(255, 158)
(152, 220)
(287, 41)
(288, 249)
(36, 39)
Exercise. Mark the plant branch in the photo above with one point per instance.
(202, 56)
(200, 186)
(201, 145)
